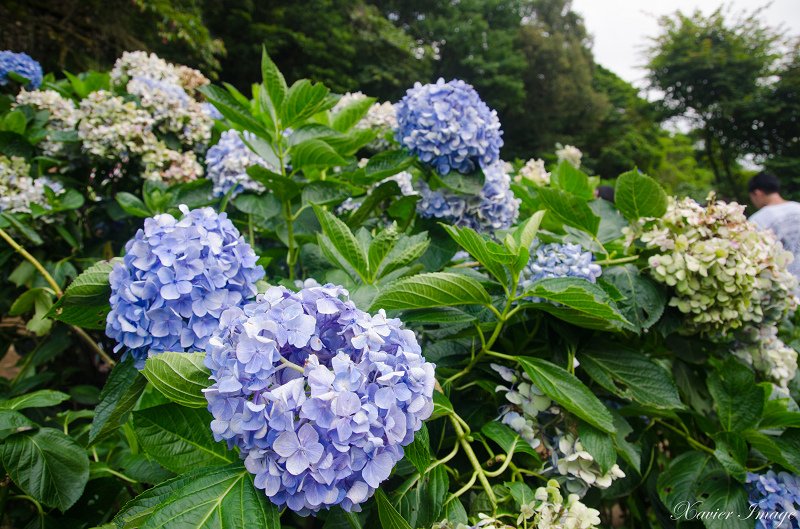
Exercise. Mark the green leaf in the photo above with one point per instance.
(85, 302)
(23, 228)
(521, 493)
(13, 144)
(179, 438)
(47, 465)
(387, 163)
(507, 439)
(389, 517)
(441, 406)
(137, 510)
(432, 491)
(343, 241)
(26, 301)
(231, 108)
(123, 388)
(643, 300)
(730, 449)
(637, 195)
(572, 180)
(419, 451)
(181, 377)
(133, 205)
(739, 401)
(315, 154)
(678, 485)
(216, 498)
(768, 445)
(274, 82)
(43, 398)
(13, 422)
(565, 388)
(523, 235)
(631, 375)
(347, 117)
(303, 100)
(599, 444)
(789, 444)
(282, 187)
(436, 289)
(491, 255)
(263, 206)
(720, 494)
(325, 192)
(569, 209)
(577, 301)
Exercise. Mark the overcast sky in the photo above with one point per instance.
(621, 27)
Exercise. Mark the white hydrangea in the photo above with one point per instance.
(381, 117)
(763, 350)
(18, 190)
(552, 512)
(570, 154)
(63, 116)
(723, 271)
(533, 171)
(574, 460)
(142, 64)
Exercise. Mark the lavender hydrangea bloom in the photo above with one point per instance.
(559, 260)
(175, 282)
(448, 126)
(775, 496)
(227, 163)
(21, 64)
(494, 208)
(331, 434)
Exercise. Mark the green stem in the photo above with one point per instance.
(291, 365)
(462, 439)
(689, 439)
(619, 260)
(58, 292)
(250, 231)
(291, 257)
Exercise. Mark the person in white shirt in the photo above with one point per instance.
(776, 214)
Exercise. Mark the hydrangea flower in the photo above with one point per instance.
(149, 65)
(62, 116)
(569, 154)
(449, 127)
(403, 180)
(777, 498)
(534, 172)
(331, 433)
(559, 260)
(227, 163)
(723, 271)
(18, 190)
(494, 208)
(21, 64)
(572, 460)
(762, 349)
(176, 280)
(381, 117)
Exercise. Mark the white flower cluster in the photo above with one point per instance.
(62, 115)
(763, 350)
(18, 190)
(723, 271)
(575, 461)
(570, 154)
(534, 172)
(381, 117)
(142, 64)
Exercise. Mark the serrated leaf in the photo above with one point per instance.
(132, 205)
(343, 240)
(315, 154)
(436, 289)
(577, 301)
(91, 287)
(643, 300)
(568, 391)
(637, 195)
(388, 515)
(347, 117)
(738, 400)
(274, 83)
(43, 398)
(386, 164)
(263, 206)
(123, 388)
(419, 451)
(507, 439)
(599, 444)
(572, 180)
(407, 251)
(231, 108)
(181, 377)
(491, 255)
(441, 406)
(303, 100)
(569, 209)
(284, 188)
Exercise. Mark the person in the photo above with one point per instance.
(777, 214)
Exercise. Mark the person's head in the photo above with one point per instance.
(764, 187)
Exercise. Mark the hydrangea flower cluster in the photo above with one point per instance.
(761, 348)
(570, 154)
(534, 172)
(381, 118)
(142, 64)
(21, 64)
(332, 432)
(227, 163)
(777, 498)
(404, 181)
(493, 209)
(18, 190)
(449, 127)
(62, 116)
(723, 271)
(176, 280)
(528, 411)
(559, 260)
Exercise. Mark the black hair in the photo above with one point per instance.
(766, 182)
(606, 193)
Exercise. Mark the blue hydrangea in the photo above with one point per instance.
(449, 127)
(775, 497)
(494, 208)
(21, 64)
(211, 111)
(227, 163)
(176, 280)
(329, 432)
(559, 260)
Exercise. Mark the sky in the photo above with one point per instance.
(621, 28)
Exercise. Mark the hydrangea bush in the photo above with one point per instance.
(325, 311)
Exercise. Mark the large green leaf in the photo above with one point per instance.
(231, 108)
(491, 255)
(181, 377)
(631, 375)
(678, 484)
(419, 451)
(599, 444)
(348, 116)
(389, 517)
(47, 465)
(43, 398)
(274, 83)
(577, 301)
(134, 513)
(436, 289)
(738, 400)
(284, 188)
(315, 154)
(569, 209)
(387, 163)
(179, 438)
(565, 388)
(303, 100)
(643, 300)
(572, 180)
(85, 302)
(637, 195)
(264, 206)
(343, 241)
(216, 498)
(123, 388)
(507, 439)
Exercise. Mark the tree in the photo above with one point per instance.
(710, 69)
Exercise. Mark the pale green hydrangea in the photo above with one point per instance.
(765, 352)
